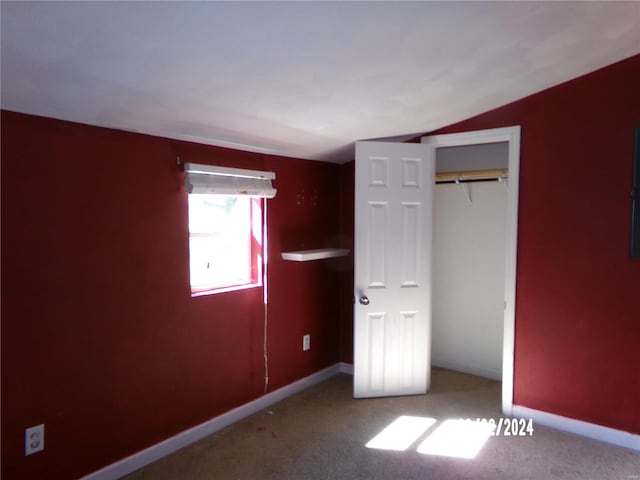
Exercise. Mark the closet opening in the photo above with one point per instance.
(469, 252)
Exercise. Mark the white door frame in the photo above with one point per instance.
(512, 136)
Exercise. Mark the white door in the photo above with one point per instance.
(394, 185)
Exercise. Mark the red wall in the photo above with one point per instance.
(577, 345)
(101, 340)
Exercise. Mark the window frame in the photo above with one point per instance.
(256, 249)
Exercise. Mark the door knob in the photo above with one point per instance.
(364, 300)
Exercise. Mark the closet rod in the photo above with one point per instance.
(472, 176)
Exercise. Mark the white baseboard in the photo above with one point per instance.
(345, 368)
(149, 455)
(471, 369)
(585, 429)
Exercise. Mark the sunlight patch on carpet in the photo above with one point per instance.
(401, 433)
(457, 438)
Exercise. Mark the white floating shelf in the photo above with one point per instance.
(319, 254)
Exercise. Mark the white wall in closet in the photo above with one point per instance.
(469, 275)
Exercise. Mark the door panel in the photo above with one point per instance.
(393, 211)
(377, 243)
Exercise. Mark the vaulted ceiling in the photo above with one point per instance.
(301, 79)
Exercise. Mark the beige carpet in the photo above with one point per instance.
(321, 433)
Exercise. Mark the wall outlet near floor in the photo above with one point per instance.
(34, 439)
(306, 342)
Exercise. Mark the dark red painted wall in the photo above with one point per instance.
(577, 339)
(101, 340)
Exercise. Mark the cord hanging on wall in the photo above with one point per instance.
(265, 297)
(634, 249)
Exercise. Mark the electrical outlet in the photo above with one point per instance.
(306, 342)
(34, 439)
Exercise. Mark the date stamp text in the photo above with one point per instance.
(507, 427)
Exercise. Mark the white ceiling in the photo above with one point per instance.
(302, 79)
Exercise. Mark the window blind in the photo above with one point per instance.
(214, 180)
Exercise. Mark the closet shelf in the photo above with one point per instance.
(317, 254)
(502, 173)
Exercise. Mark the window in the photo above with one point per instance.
(226, 227)
(225, 242)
